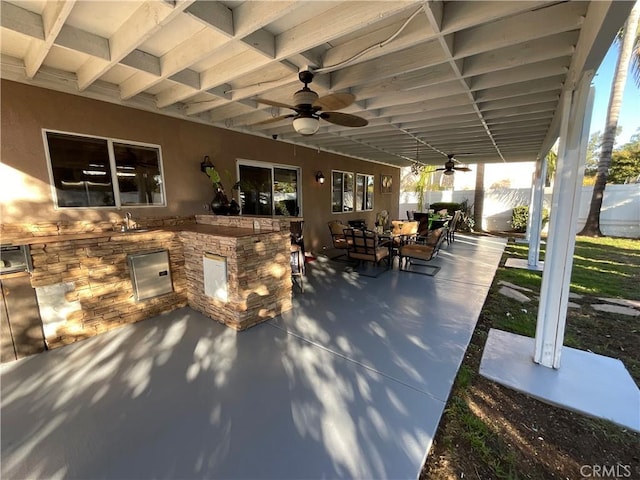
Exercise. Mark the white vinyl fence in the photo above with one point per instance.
(619, 216)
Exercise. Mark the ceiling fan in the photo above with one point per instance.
(310, 108)
(449, 166)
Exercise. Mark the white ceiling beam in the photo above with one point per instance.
(555, 46)
(507, 112)
(509, 31)
(525, 117)
(21, 20)
(251, 16)
(520, 88)
(345, 18)
(74, 39)
(427, 105)
(145, 21)
(443, 113)
(54, 15)
(417, 31)
(520, 100)
(526, 73)
(178, 58)
(462, 15)
(411, 59)
(424, 77)
(214, 15)
(426, 93)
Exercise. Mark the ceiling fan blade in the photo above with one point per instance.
(272, 120)
(334, 101)
(344, 119)
(462, 169)
(274, 104)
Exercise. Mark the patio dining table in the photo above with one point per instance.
(435, 220)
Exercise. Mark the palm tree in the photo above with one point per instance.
(628, 47)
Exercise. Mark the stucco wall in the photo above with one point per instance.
(25, 193)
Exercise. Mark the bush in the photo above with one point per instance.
(520, 217)
(450, 206)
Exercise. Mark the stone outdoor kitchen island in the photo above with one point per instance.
(84, 285)
(256, 263)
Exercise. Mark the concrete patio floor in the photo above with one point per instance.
(349, 384)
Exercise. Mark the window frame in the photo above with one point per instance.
(112, 165)
(342, 195)
(272, 166)
(365, 192)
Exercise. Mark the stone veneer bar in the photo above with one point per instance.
(85, 264)
(258, 272)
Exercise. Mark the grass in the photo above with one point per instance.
(489, 431)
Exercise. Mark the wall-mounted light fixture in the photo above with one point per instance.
(320, 178)
(206, 163)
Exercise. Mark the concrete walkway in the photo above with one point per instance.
(350, 384)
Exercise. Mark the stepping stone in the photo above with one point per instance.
(516, 295)
(575, 296)
(572, 305)
(622, 301)
(616, 309)
(514, 286)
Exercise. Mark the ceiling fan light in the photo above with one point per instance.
(306, 125)
(448, 172)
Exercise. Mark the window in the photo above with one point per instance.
(364, 192)
(341, 191)
(99, 172)
(267, 189)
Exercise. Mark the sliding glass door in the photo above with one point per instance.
(267, 189)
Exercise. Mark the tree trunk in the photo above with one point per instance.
(478, 199)
(592, 226)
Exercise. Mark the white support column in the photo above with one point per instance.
(535, 212)
(554, 293)
(527, 233)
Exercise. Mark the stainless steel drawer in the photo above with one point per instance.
(150, 274)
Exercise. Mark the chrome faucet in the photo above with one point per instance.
(127, 220)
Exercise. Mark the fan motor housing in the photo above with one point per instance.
(305, 96)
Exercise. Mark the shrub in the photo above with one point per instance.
(520, 216)
(450, 206)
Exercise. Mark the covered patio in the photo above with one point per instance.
(351, 383)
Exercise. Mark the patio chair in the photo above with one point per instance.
(453, 224)
(415, 254)
(298, 268)
(403, 232)
(365, 246)
(337, 237)
(297, 236)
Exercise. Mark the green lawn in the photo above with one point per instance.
(489, 431)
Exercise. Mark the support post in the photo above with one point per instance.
(535, 212)
(554, 293)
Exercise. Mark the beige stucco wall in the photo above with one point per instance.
(25, 194)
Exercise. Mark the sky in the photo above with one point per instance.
(630, 111)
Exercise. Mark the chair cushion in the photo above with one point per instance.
(337, 228)
(380, 253)
(423, 252)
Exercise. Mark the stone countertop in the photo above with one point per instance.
(215, 230)
(220, 231)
